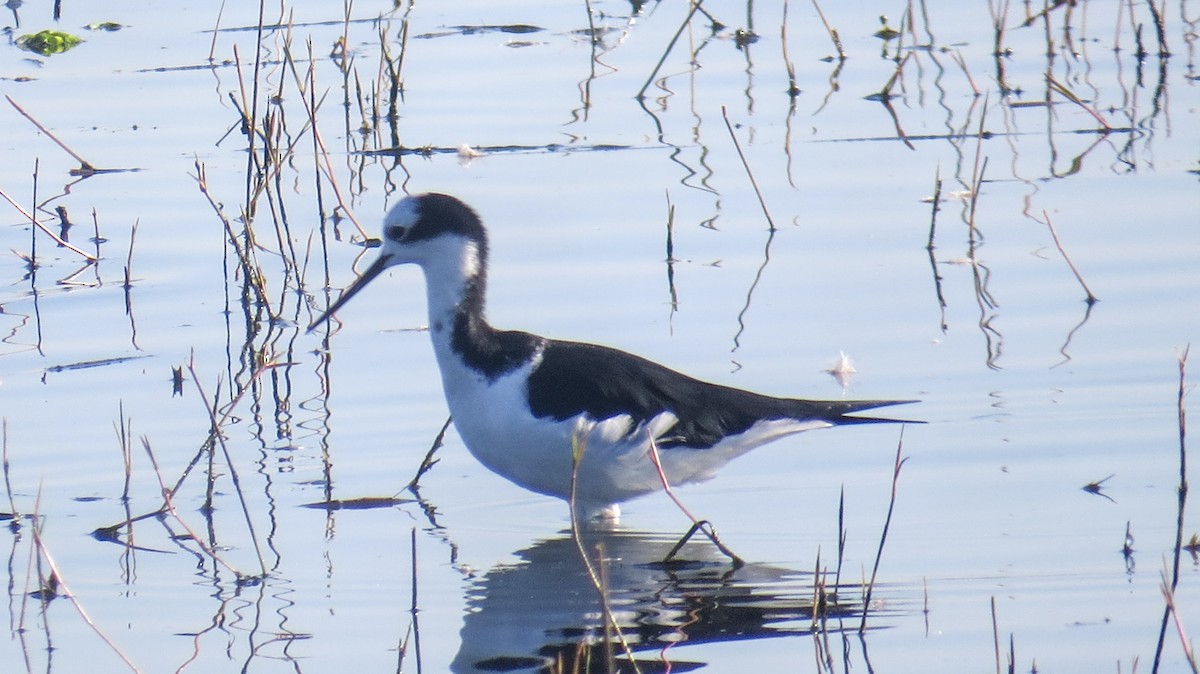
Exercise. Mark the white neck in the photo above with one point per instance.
(448, 280)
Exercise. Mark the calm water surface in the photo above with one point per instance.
(1029, 392)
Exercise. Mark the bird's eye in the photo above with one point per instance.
(396, 232)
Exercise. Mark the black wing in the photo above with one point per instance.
(575, 378)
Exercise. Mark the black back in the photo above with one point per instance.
(575, 378)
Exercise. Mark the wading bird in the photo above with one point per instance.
(570, 419)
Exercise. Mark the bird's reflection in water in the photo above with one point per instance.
(543, 613)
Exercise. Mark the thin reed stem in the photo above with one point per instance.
(1181, 414)
(85, 167)
(12, 506)
(62, 589)
(746, 164)
(1091, 298)
(169, 507)
(833, 34)
(641, 94)
(46, 230)
(887, 522)
(578, 447)
(229, 463)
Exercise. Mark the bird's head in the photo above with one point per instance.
(437, 232)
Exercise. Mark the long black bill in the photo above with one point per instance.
(374, 270)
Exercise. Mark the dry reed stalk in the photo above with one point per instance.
(1059, 87)
(61, 589)
(414, 610)
(129, 266)
(1091, 298)
(428, 462)
(169, 508)
(999, 15)
(749, 172)
(46, 230)
(96, 238)
(251, 108)
(978, 169)
(957, 56)
(887, 522)
(32, 561)
(995, 635)
(324, 162)
(233, 474)
(578, 447)
(216, 421)
(793, 89)
(247, 259)
(85, 168)
(1186, 643)
(841, 548)
(216, 30)
(833, 34)
(695, 5)
(12, 506)
(1181, 414)
(935, 206)
(1160, 29)
(347, 10)
(124, 429)
(885, 97)
(671, 254)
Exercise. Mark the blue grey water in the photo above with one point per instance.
(1029, 394)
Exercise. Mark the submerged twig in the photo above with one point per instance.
(85, 168)
(1091, 298)
(46, 230)
(169, 507)
(1055, 85)
(129, 263)
(218, 438)
(833, 34)
(1096, 487)
(61, 589)
(957, 56)
(884, 97)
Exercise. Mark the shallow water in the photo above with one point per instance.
(1029, 393)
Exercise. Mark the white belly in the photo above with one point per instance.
(616, 463)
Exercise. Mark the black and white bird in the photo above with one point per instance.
(524, 405)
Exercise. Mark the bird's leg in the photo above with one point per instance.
(703, 526)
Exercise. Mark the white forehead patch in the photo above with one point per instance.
(403, 213)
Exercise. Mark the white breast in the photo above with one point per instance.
(494, 421)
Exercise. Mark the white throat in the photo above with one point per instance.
(448, 277)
